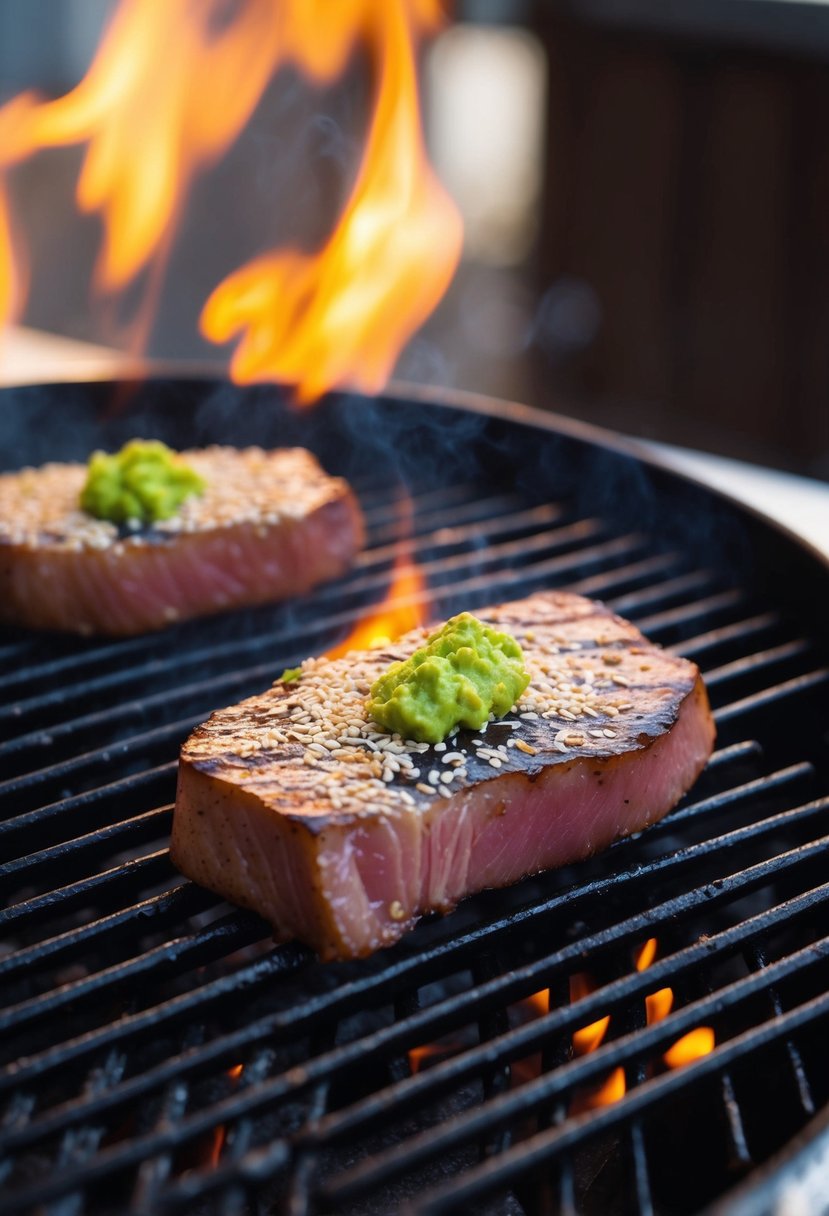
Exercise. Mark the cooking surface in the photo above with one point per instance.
(424, 1075)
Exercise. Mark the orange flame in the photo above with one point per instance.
(220, 1134)
(341, 316)
(538, 1004)
(419, 1055)
(9, 279)
(588, 1038)
(151, 119)
(402, 609)
(659, 1004)
(645, 955)
(613, 1089)
(690, 1047)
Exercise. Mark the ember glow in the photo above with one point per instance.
(171, 87)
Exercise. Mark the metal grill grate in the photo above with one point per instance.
(159, 1054)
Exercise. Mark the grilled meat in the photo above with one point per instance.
(268, 525)
(294, 804)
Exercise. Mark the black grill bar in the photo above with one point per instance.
(501, 1108)
(152, 825)
(231, 933)
(251, 679)
(171, 667)
(749, 664)
(432, 1023)
(149, 1030)
(659, 622)
(132, 877)
(166, 909)
(529, 1038)
(89, 810)
(543, 1147)
(587, 890)
(761, 700)
(742, 793)
(742, 630)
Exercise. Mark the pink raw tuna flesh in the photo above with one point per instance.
(293, 804)
(269, 525)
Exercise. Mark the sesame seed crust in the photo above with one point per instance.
(309, 748)
(39, 508)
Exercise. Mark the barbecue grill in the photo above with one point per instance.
(160, 1054)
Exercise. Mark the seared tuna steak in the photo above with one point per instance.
(294, 804)
(268, 525)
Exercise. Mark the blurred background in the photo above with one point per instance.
(644, 185)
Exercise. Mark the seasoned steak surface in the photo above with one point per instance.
(296, 804)
(269, 524)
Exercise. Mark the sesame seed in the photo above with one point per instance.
(425, 789)
(525, 747)
(396, 910)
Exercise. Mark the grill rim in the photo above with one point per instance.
(468, 401)
(594, 437)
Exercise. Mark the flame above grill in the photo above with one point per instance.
(153, 121)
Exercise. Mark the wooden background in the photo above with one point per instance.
(688, 185)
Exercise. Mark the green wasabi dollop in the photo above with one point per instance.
(465, 672)
(144, 482)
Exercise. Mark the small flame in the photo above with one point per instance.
(403, 608)
(170, 88)
(645, 955)
(613, 1089)
(10, 292)
(152, 119)
(588, 1038)
(341, 316)
(220, 1134)
(659, 1004)
(690, 1047)
(419, 1055)
(539, 1003)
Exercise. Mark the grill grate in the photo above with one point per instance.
(159, 1054)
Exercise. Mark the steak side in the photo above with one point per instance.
(268, 525)
(296, 805)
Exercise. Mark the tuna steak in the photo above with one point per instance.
(269, 525)
(294, 804)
